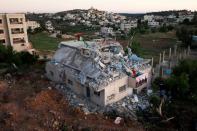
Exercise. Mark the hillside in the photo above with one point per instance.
(29, 101)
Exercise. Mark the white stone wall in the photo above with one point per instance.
(113, 89)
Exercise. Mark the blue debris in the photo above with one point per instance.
(134, 57)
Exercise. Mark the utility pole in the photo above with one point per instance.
(163, 56)
(170, 53)
(175, 50)
(159, 59)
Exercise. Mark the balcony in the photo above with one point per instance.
(139, 81)
(17, 31)
(16, 21)
(18, 40)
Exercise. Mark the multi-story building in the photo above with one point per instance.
(153, 24)
(33, 25)
(13, 31)
(107, 31)
(49, 26)
(127, 26)
(148, 17)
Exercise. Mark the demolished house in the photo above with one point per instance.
(99, 70)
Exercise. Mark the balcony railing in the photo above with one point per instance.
(17, 41)
(141, 82)
(15, 22)
(17, 32)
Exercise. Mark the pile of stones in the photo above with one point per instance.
(126, 107)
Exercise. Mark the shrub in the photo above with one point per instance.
(10, 57)
(136, 48)
(26, 58)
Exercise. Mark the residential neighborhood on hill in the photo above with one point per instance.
(108, 23)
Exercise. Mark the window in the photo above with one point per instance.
(1, 21)
(122, 88)
(85, 52)
(70, 82)
(17, 30)
(111, 97)
(97, 93)
(2, 41)
(1, 31)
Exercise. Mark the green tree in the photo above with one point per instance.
(183, 83)
(194, 20)
(10, 57)
(186, 21)
(29, 30)
(163, 28)
(135, 46)
(185, 35)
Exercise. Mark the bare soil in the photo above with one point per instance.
(26, 103)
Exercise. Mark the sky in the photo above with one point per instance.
(119, 6)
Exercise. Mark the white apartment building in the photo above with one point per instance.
(153, 24)
(33, 25)
(127, 26)
(49, 26)
(148, 17)
(106, 31)
(13, 31)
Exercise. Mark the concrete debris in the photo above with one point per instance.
(149, 92)
(124, 108)
(86, 111)
(135, 98)
(99, 70)
(118, 120)
(8, 76)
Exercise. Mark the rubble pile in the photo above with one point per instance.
(78, 101)
(126, 107)
(99, 68)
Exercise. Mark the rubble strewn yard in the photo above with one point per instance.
(30, 102)
(126, 108)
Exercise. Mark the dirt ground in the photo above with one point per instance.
(28, 104)
(154, 43)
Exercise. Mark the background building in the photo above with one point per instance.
(13, 31)
(33, 25)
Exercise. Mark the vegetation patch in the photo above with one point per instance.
(42, 41)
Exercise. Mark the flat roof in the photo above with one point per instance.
(78, 44)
